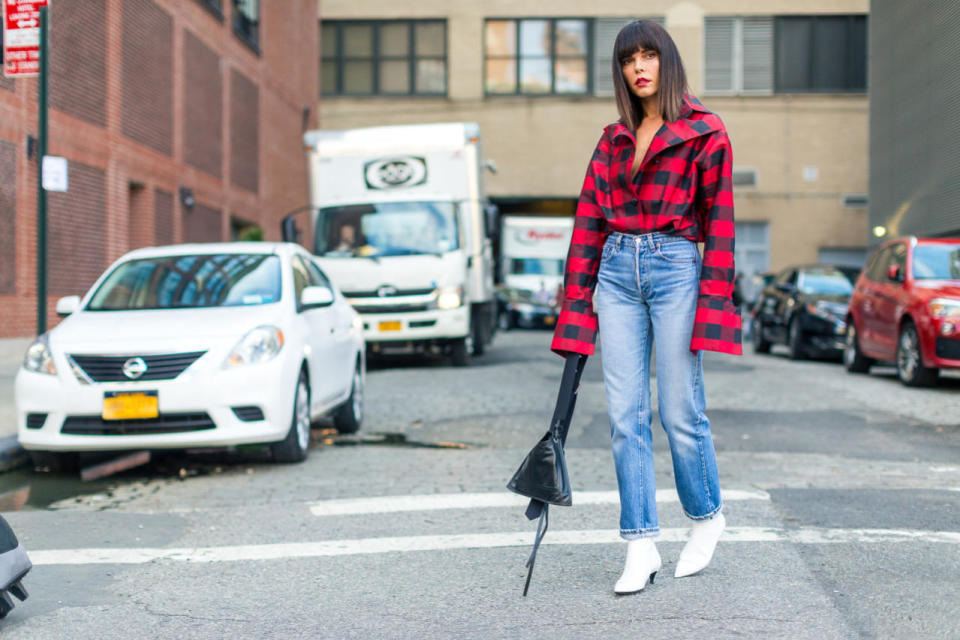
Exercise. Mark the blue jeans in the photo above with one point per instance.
(647, 291)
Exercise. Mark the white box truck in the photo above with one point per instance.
(532, 254)
(401, 223)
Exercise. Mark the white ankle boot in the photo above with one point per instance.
(643, 562)
(697, 553)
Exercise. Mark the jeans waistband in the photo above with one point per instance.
(647, 239)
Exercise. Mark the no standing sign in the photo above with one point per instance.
(21, 37)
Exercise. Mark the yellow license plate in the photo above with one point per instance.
(549, 320)
(130, 405)
(391, 325)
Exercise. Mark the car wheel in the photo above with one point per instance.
(910, 367)
(459, 352)
(295, 446)
(349, 415)
(760, 344)
(853, 359)
(795, 340)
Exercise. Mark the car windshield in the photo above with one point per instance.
(193, 281)
(936, 262)
(825, 283)
(387, 229)
(536, 266)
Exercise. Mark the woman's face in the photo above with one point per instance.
(642, 72)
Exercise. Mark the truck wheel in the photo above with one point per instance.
(459, 352)
(479, 342)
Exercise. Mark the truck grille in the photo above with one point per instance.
(399, 292)
(159, 367)
(388, 308)
(166, 423)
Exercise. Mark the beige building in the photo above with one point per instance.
(787, 77)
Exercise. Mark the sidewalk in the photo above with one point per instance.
(11, 355)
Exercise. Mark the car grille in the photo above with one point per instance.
(948, 348)
(248, 414)
(389, 308)
(166, 423)
(159, 367)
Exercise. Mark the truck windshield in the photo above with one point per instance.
(189, 282)
(536, 266)
(387, 229)
(936, 262)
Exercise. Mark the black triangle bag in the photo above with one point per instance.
(542, 476)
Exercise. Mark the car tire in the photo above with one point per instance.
(760, 344)
(910, 367)
(296, 445)
(349, 415)
(795, 340)
(55, 461)
(460, 352)
(853, 359)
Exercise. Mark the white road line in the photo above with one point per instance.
(432, 502)
(324, 548)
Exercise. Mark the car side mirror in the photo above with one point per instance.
(316, 297)
(67, 305)
(894, 274)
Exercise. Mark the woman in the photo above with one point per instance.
(658, 183)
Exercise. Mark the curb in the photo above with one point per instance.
(12, 455)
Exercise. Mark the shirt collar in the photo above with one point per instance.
(690, 124)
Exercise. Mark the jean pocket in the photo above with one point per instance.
(679, 252)
(610, 249)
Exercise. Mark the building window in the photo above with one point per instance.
(246, 22)
(537, 56)
(821, 54)
(383, 57)
(761, 55)
(214, 6)
(605, 32)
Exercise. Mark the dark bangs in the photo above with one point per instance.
(644, 34)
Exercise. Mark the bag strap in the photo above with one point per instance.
(541, 531)
(567, 396)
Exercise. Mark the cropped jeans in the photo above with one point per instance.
(647, 292)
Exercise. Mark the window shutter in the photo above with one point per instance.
(605, 32)
(758, 54)
(719, 55)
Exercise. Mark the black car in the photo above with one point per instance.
(804, 308)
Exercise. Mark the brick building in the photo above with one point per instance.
(181, 120)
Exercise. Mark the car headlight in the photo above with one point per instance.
(945, 307)
(38, 358)
(449, 297)
(260, 345)
(828, 311)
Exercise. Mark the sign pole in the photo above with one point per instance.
(41, 192)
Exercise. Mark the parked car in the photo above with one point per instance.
(188, 346)
(905, 309)
(805, 308)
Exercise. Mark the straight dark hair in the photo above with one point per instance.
(644, 34)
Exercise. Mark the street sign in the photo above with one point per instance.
(21, 37)
(54, 172)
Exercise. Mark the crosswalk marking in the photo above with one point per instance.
(803, 535)
(432, 502)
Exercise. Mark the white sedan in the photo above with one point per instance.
(189, 346)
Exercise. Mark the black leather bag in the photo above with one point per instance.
(543, 476)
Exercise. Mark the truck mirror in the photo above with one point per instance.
(289, 229)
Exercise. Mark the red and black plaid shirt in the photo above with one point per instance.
(683, 188)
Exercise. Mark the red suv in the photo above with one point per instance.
(905, 309)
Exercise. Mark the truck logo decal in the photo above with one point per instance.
(393, 173)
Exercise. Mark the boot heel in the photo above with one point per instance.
(652, 576)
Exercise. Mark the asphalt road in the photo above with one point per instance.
(841, 491)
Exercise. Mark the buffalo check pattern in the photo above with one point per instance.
(683, 187)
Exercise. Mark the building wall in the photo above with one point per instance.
(166, 97)
(915, 118)
(542, 144)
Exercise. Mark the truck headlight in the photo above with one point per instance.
(260, 345)
(449, 297)
(38, 358)
(945, 307)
